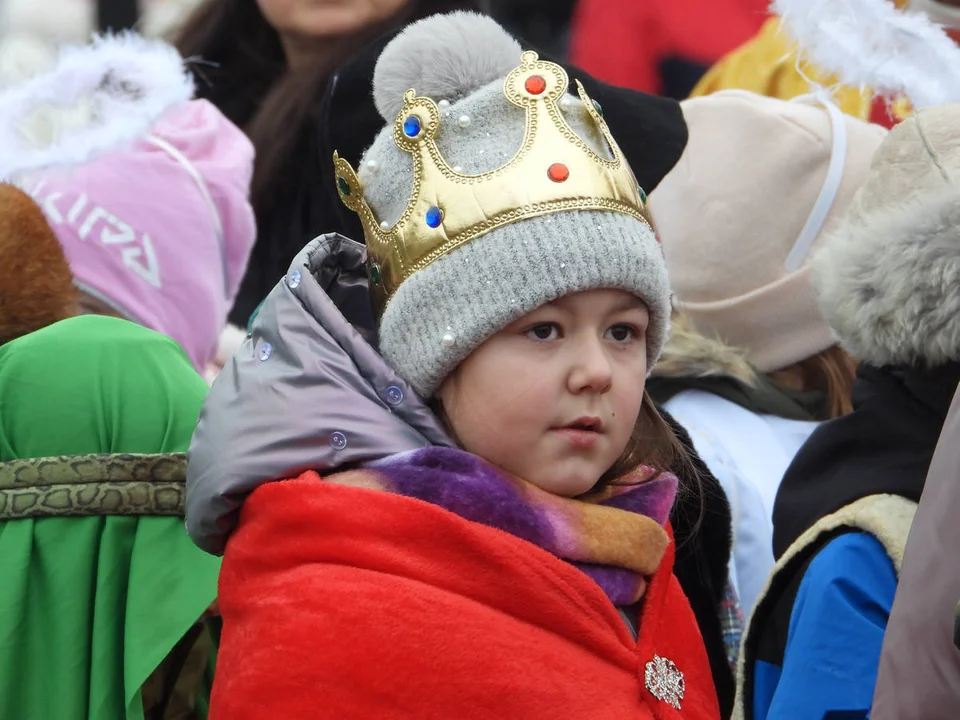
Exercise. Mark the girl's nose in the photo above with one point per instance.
(591, 369)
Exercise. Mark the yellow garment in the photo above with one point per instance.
(767, 65)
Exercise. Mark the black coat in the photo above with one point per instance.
(884, 446)
(703, 530)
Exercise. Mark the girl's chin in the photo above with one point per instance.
(568, 485)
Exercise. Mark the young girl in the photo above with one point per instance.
(507, 553)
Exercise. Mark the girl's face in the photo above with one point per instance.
(326, 18)
(554, 397)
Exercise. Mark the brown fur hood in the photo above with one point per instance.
(688, 353)
(36, 285)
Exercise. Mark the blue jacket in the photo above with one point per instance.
(834, 635)
(812, 647)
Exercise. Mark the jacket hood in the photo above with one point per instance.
(305, 391)
(888, 276)
(883, 447)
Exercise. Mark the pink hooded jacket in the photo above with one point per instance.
(162, 231)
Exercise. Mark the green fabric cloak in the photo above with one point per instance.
(90, 606)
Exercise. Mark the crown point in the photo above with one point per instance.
(535, 84)
(434, 217)
(558, 172)
(412, 126)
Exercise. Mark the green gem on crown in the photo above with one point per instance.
(374, 273)
(343, 185)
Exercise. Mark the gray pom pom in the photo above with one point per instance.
(444, 57)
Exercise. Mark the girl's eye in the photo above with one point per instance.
(621, 333)
(544, 331)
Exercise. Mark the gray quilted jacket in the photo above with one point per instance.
(305, 392)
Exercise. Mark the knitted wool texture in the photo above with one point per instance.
(477, 289)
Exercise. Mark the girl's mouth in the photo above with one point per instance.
(583, 432)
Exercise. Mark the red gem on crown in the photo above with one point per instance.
(558, 172)
(535, 84)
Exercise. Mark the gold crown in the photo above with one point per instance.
(553, 171)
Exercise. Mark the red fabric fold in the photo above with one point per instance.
(341, 602)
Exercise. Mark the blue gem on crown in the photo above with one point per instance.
(412, 126)
(434, 217)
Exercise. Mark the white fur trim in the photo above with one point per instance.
(888, 281)
(443, 57)
(871, 42)
(128, 83)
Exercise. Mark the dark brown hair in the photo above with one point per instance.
(831, 371)
(652, 443)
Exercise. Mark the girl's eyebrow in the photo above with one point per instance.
(631, 302)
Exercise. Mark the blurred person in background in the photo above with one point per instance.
(768, 64)
(160, 233)
(919, 676)
(145, 188)
(752, 366)
(544, 23)
(267, 65)
(31, 32)
(103, 592)
(297, 77)
(660, 46)
(886, 278)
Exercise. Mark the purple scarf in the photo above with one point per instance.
(615, 536)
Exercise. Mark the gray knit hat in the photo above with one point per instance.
(459, 248)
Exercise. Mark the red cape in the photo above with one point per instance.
(347, 603)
